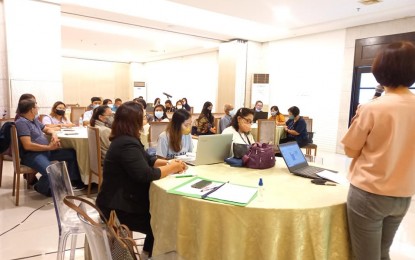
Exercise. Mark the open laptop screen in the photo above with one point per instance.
(292, 154)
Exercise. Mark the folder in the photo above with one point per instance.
(222, 192)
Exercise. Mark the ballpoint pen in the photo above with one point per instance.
(185, 175)
(213, 190)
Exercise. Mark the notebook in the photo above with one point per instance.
(212, 149)
(296, 162)
(260, 115)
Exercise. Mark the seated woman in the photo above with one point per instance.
(206, 120)
(179, 104)
(186, 105)
(160, 114)
(176, 140)
(57, 116)
(296, 128)
(169, 106)
(103, 118)
(241, 127)
(128, 172)
(277, 116)
(156, 102)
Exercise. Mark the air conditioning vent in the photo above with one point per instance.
(261, 78)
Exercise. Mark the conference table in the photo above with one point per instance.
(279, 133)
(295, 219)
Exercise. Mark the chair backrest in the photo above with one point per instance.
(94, 147)
(309, 122)
(61, 187)
(217, 123)
(97, 238)
(266, 131)
(156, 128)
(76, 113)
(14, 145)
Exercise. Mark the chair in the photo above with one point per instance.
(95, 164)
(68, 222)
(266, 131)
(216, 124)
(76, 113)
(310, 146)
(156, 128)
(314, 159)
(19, 168)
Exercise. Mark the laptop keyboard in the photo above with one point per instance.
(309, 172)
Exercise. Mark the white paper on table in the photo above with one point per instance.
(340, 179)
(234, 193)
(197, 191)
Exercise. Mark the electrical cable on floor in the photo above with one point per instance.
(5, 232)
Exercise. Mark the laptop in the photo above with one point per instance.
(296, 162)
(260, 115)
(212, 149)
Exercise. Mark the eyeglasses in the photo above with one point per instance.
(248, 121)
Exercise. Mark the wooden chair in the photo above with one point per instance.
(95, 162)
(266, 131)
(156, 128)
(310, 146)
(76, 113)
(19, 168)
(216, 124)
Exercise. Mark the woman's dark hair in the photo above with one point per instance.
(395, 65)
(164, 112)
(168, 102)
(105, 102)
(206, 112)
(185, 99)
(141, 101)
(128, 120)
(53, 111)
(275, 109)
(25, 96)
(294, 110)
(26, 105)
(174, 129)
(99, 111)
(155, 101)
(242, 112)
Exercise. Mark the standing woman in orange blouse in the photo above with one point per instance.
(277, 116)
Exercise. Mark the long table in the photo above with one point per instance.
(296, 219)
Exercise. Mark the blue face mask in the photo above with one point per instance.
(159, 114)
(232, 112)
(291, 117)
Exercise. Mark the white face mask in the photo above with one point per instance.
(95, 106)
(274, 113)
(110, 105)
(159, 114)
(179, 107)
(232, 112)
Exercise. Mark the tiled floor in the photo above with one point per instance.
(30, 231)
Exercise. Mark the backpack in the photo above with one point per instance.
(5, 136)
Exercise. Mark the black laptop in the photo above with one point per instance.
(296, 162)
(260, 115)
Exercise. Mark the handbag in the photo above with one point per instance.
(239, 150)
(120, 238)
(260, 156)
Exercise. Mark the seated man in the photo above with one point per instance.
(226, 120)
(95, 102)
(37, 152)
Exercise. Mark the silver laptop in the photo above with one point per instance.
(296, 162)
(212, 149)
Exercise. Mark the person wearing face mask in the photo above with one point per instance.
(156, 102)
(95, 102)
(186, 104)
(258, 106)
(179, 105)
(277, 116)
(240, 127)
(160, 114)
(205, 120)
(176, 140)
(296, 128)
(226, 120)
(57, 116)
(108, 102)
(117, 104)
(169, 106)
(37, 152)
(103, 119)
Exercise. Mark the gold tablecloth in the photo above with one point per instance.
(296, 219)
(279, 133)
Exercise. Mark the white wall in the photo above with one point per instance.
(194, 77)
(307, 72)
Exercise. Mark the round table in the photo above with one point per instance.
(296, 219)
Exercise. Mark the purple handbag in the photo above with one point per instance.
(259, 156)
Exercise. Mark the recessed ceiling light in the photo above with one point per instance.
(370, 2)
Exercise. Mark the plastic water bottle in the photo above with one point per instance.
(260, 190)
(81, 122)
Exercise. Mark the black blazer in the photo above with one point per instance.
(128, 172)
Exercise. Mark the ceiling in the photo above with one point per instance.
(143, 31)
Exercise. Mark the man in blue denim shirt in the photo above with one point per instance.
(37, 152)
